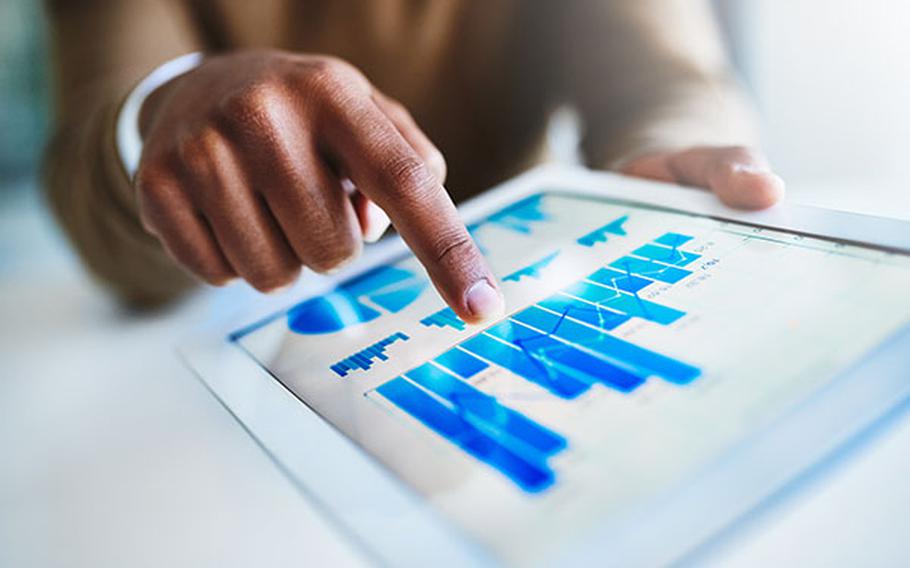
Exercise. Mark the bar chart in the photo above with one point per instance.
(562, 344)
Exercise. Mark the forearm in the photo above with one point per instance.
(101, 49)
(95, 204)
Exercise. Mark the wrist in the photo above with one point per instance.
(129, 134)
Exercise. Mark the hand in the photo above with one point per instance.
(258, 163)
(739, 176)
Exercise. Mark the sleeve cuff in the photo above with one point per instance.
(128, 139)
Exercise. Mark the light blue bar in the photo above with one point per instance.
(637, 307)
(597, 316)
(594, 293)
(673, 239)
(616, 279)
(650, 269)
(666, 255)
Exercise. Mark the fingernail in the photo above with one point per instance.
(483, 301)
(377, 223)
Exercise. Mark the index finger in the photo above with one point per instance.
(389, 171)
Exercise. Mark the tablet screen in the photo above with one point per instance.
(640, 345)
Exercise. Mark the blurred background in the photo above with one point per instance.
(827, 76)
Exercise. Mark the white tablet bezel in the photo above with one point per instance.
(392, 523)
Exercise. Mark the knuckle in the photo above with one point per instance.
(251, 106)
(273, 277)
(450, 245)
(409, 175)
(330, 258)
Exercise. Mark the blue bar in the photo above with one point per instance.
(650, 269)
(666, 255)
(531, 477)
(365, 358)
(566, 358)
(484, 411)
(444, 318)
(532, 270)
(640, 361)
(524, 365)
(594, 293)
(554, 324)
(461, 362)
(673, 239)
(599, 235)
(616, 279)
(597, 316)
(637, 307)
(520, 217)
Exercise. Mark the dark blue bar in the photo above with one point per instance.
(521, 363)
(637, 307)
(485, 411)
(566, 358)
(616, 279)
(673, 239)
(365, 358)
(650, 269)
(531, 477)
(461, 362)
(594, 315)
(666, 255)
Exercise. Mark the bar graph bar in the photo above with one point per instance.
(666, 255)
(528, 474)
(650, 269)
(365, 359)
(591, 314)
(444, 318)
(532, 270)
(509, 427)
(461, 363)
(672, 239)
(599, 235)
(522, 363)
(620, 280)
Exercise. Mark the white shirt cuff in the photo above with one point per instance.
(129, 141)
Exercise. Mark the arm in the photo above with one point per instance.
(657, 99)
(255, 164)
(101, 50)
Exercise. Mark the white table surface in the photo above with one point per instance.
(112, 454)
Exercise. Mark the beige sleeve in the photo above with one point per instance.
(101, 49)
(651, 75)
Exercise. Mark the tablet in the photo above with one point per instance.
(665, 364)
